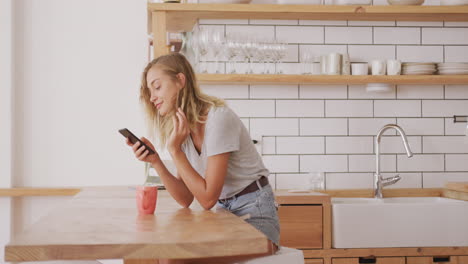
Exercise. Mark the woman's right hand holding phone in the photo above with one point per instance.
(141, 153)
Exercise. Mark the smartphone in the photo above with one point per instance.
(134, 139)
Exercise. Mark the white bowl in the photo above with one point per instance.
(406, 2)
(299, 2)
(379, 87)
(453, 2)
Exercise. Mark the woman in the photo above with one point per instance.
(216, 161)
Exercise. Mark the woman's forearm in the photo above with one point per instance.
(176, 187)
(194, 182)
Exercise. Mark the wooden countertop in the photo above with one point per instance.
(303, 197)
(103, 223)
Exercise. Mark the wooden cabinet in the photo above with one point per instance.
(381, 260)
(438, 260)
(301, 226)
(313, 261)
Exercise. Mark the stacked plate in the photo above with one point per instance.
(453, 2)
(419, 68)
(448, 68)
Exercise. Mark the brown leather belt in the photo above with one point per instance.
(251, 188)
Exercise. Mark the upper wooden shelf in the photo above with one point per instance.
(182, 17)
(331, 79)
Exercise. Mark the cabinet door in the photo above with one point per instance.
(301, 226)
(389, 260)
(437, 260)
(313, 261)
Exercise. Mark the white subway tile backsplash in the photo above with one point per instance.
(444, 108)
(366, 163)
(348, 145)
(291, 54)
(223, 21)
(272, 22)
(397, 35)
(449, 36)
(371, 23)
(324, 163)
(267, 91)
(370, 126)
(394, 144)
(457, 162)
(420, 91)
(367, 53)
(455, 24)
(300, 145)
(299, 34)
(420, 53)
(397, 108)
(419, 23)
(292, 181)
(456, 53)
(268, 145)
(263, 32)
(348, 108)
(299, 108)
(455, 129)
(438, 180)
(408, 180)
(226, 91)
(274, 126)
(312, 91)
(360, 92)
(349, 181)
(422, 126)
(456, 91)
(444, 144)
(281, 163)
(252, 108)
(348, 35)
(332, 128)
(323, 126)
(421, 162)
(323, 22)
(318, 50)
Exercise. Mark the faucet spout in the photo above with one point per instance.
(391, 180)
(379, 182)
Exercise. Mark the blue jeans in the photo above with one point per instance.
(258, 209)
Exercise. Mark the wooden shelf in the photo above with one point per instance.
(182, 17)
(330, 79)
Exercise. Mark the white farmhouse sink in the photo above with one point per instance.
(399, 222)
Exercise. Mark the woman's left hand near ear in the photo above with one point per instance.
(180, 132)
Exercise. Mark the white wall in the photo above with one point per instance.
(5, 119)
(77, 72)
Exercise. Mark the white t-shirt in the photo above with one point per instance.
(225, 132)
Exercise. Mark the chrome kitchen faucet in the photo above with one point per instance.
(380, 182)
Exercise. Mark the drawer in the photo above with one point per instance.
(437, 260)
(301, 226)
(313, 261)
(382, 260)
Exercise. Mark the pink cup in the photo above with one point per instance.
(146, 197)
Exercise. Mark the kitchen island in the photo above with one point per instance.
(103, 223)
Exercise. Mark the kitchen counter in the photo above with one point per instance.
(103, 223)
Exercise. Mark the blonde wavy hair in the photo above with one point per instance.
(191, 99)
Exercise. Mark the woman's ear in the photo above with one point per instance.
(181, 79)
